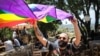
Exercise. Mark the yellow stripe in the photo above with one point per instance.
(44, 20)
(10, 17)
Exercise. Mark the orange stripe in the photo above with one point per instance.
(6, 21)
(11, 23)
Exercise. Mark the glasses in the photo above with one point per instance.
(62, 38)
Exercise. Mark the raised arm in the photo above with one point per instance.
(77, 31)
(39, 34)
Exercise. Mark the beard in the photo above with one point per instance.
(62, 43)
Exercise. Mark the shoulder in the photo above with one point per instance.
(72, 46)
(50, 45)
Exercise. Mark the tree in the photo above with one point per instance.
(5, 32)
(45, 27)
(96, 5)
(83, 6)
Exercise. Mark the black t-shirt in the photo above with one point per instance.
(71, 48)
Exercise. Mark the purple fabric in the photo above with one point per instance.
(44, 10)
(63, 15)
(18, 7)
(48, 11)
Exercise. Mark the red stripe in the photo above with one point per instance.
(13, 23)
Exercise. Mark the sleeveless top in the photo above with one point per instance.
(70, 49)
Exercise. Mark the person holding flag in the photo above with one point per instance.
(64, 49)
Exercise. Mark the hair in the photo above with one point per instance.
(64, 34)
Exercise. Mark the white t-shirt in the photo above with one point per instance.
(16, 42)
(8, 45)
(14, 34)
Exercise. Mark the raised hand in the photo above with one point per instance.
(33, 21)
(74, 21)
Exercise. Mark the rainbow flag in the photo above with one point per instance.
(44, 13)
(49, 13)
(13, 12)
(18, 7)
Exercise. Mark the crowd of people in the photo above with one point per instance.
(19, 38)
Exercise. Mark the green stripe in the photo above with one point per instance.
(21, 16)
(1, 12)
(50, 18)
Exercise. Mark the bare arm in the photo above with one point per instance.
(39, 34)
(77, 32)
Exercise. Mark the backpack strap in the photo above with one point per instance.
(70, 49)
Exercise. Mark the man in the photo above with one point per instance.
(63, 40)
(16, 42)
(8, 44)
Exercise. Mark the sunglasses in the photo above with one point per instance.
(62, 38)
